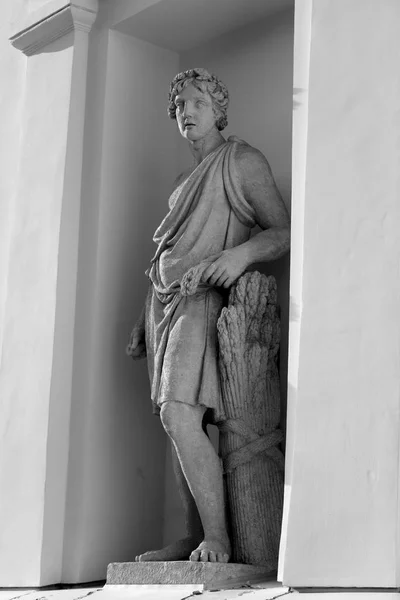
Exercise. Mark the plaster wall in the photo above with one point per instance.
(116, 476)
(301, 59)
(256, 64)
(29, 321)
(12, 71)
(343, 514)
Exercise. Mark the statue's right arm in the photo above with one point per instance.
(137, 341)
(136, 347)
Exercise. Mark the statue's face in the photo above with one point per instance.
(194, 113)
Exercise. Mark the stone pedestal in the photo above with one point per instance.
(211, 575)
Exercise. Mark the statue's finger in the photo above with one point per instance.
(138, 351)
(214, 278)
(220, 270)
(207, 273)
(228, 282)
(221, 279)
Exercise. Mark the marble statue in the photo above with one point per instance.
(203, 248)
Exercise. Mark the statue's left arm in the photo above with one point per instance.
(260, 191)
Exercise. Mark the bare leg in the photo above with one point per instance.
(181, 549)
(202, 469)
(194, 527)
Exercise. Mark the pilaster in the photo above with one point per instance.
(340, 526)
(39, 316)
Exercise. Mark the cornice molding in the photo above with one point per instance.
(76, 15)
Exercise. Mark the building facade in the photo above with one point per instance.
(88, 153)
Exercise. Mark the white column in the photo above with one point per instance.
(39, 314)
(341, 515)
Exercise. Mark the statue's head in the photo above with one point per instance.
(206, 83)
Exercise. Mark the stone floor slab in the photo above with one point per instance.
(47, 593)
(181, 592)
(149, 592)
(251, 593)
(349, 594)
(261, 591)
(209, 575)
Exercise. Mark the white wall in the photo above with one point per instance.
(342, 522)
(12, 71)
(256, 64)
(116, 477)
(29, 320)
(301, 59)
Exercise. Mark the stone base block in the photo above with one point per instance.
(210, 575)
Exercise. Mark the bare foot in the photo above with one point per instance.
(211, 550)
(180, 550)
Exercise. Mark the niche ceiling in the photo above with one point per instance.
(180, 25)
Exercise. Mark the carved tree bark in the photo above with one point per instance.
(249, 332)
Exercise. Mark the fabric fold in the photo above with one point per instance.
(208, 213)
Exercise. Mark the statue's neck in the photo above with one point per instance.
(202, 148)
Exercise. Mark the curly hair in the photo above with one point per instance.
(205, 82)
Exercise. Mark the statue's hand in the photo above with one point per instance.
(226, 267)
(136, 348)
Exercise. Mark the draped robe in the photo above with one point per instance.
(208, 213)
